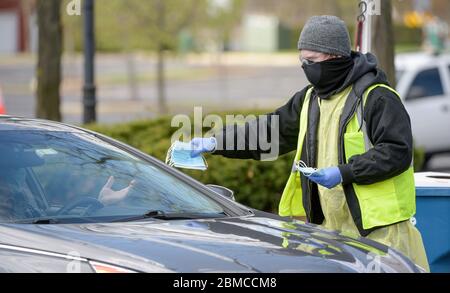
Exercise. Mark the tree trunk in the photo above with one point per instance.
(49, 59)
(383, 41)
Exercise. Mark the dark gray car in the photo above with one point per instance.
(75, 201)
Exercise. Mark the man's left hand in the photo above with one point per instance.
(329, 178)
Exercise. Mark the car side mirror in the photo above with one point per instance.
(223, 191)
(416, 92)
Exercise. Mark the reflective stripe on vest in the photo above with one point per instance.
(381, 204)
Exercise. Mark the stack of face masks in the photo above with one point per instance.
(179, 156)
(303, 168)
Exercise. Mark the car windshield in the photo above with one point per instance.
(76, 177)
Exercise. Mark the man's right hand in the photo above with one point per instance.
(108, 196)
(203, 145)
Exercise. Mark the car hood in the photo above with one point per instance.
(245, 244)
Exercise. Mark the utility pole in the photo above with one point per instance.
(89, 89)
(367, 29)
(383, 40)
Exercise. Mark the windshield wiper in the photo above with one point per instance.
(43, 221)
(47, 221)
(39, 221)
(161, 215)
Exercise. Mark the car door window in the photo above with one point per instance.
(427, 84)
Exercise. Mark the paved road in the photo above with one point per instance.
(215, 88)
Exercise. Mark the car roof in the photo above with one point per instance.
(417, 60)
(12, 123)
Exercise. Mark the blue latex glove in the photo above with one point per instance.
(202, 145)
(329, 178)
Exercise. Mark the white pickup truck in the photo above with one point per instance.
(423, 82)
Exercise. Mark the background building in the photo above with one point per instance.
(17, 27)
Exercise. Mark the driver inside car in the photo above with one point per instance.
(14, 204)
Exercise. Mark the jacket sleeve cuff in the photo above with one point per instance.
(347, 174)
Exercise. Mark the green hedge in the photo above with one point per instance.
(256, 184)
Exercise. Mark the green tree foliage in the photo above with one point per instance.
(221, 18)
(149, 24)
(156, 25)
(123, 25)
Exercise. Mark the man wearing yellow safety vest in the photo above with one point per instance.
(352, 127)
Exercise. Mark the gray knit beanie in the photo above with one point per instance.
(327, 34)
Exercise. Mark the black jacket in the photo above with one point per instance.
(388, 126)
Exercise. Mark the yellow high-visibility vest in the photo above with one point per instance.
(381, 204)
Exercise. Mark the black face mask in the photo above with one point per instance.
(329, 75)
